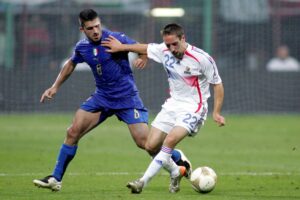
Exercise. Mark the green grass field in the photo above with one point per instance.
(255, 157)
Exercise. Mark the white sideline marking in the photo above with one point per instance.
(163, 173)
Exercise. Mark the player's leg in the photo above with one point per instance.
(139, 133)
(161, 126)
(153, 146)
(136, 120)
(155, 140)
(82, 123)
(162, 159)
(192, 122)
(152, 142)
(177, 172)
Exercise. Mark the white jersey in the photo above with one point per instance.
(188, 78)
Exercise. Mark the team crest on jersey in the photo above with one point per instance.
(187, 70)
(95, 51)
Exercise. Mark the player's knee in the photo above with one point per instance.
(170, 140)
(140, 136)
(151, 149)
(140, 141)
(72, 135)
(140, 144)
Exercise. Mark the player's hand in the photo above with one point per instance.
(112, 43)
(219, 119)
(48, 94)
(140, 63)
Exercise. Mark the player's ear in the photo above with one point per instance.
(183, 37)
(81, 28)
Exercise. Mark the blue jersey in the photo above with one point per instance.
(115, 86)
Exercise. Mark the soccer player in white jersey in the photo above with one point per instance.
(190, 72)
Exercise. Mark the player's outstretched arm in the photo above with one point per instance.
(63, 75)
(218, 102)
(115, 45)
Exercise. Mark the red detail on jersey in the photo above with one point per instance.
(166, 50)
(193, 81)
(191, 55)
(200, 96)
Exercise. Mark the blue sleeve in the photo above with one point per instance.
(76, 56)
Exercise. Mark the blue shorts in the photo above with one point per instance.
(127, 115)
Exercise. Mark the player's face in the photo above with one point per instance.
(176, 45)
(92, 29)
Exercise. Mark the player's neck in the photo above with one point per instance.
(95, 42)
(185, 46)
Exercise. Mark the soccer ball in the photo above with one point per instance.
(203, 179)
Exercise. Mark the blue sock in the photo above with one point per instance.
(175, 155)
(66, 154)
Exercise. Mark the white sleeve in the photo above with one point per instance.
(210, 70)
(154, 52)
(131, 58)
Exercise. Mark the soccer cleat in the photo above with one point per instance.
(49, 182)
(136, 186)
(175, 181)
(186, 163)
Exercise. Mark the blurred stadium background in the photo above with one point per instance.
(36, 36)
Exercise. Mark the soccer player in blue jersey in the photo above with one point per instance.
(115, 94)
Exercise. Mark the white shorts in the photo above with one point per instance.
(176, 113)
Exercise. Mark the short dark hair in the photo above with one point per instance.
(87, 15)
(173, 29)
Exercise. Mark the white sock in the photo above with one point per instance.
(170, 165)
(162, 159)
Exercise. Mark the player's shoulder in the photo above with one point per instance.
(161, 47)
(196, 51)
(118, 35)
(200, 54)
(82, 43)
(107, 32)
(122, 37)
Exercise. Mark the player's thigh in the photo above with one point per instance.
(175, 136)
(90, 114)
(155, 140)
(84, 121)
(136, 119)
(139, 131)
(164, 120)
